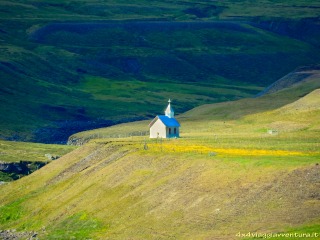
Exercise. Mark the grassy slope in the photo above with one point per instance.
(18, 151)
(209, 115)
(222, 177)
(29, 157)
(114, 189)
(53, 81)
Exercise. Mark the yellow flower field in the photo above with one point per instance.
(228, 151)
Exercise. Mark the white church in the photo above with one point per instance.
(165, 126)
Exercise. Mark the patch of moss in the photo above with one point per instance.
(77, 226)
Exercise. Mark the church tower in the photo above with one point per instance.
(169, 110)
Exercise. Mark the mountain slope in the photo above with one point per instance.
(104, 191)
(300, 75)
(211, 114)
(221, 178)
(307, 103)
(69, 66)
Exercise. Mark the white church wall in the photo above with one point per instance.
(158, 129)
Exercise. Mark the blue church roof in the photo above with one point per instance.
(169, 122)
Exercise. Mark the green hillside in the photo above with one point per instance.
(222, 178)
(17, 151)
(209, 115)
(18, 159)
(245, 163)
(68, 66)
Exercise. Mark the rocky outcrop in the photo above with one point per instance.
(16, 170)
(298, 76)
(14, 235)
(307, 29)
(16, 167)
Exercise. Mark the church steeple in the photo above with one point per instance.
(169, 111)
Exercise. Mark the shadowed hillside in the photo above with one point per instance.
(70, 66)
(288, 90)
(303, 74)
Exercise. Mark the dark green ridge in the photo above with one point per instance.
(69, 66)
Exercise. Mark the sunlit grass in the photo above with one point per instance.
(23, 151)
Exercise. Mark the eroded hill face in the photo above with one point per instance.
(299, 76)
(118, 190)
